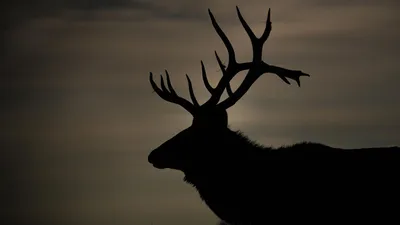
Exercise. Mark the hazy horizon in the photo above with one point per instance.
(79, 116)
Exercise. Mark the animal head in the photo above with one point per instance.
(209, 138)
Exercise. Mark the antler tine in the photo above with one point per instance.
(268, 27)
(171, 89)
(229, 90)
(224, 38)
(246, 26)
(230, 71)
(170, 95)
(191, 92)
(223, 69)
(256, 43)
(163, 88)
(205, 79)
(286, 73)
(258, 67)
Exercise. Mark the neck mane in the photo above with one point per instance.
(241, 140)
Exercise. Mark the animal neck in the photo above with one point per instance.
(238, 142)
(230, 156)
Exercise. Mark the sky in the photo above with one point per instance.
(79, 116)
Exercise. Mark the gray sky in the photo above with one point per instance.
(79, 116)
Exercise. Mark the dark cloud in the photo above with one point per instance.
(344, 3)
(19, 11)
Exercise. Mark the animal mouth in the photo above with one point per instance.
(152, 161)
(157, 165)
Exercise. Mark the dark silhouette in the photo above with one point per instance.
(245, 183)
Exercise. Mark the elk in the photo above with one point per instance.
(243, 182)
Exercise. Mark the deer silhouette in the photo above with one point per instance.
(243, 182)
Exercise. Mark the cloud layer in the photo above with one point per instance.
(79, 116)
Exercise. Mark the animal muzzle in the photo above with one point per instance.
(152, 159)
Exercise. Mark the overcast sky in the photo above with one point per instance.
(79, 116)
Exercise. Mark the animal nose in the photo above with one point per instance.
(150, 158)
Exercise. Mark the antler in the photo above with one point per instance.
(255, 68)
(171, 96)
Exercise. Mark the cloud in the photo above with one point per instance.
(78, 110)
